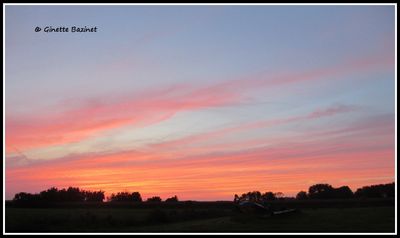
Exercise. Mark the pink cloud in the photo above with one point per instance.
(152, 106)
(287, 168)
(206, 136)
(95, 117)
(287, 165)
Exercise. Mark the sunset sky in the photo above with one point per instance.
(201, 102)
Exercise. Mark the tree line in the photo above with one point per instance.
(323, 191)
(317, 191)
(326, 191)
(54, 194)
(136, 197)
(73, 194)
(256, 196)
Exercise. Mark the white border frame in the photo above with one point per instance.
(195, 4)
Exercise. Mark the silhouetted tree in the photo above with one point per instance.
(50, 195)
(279, 195)
(154, 199)
(250, 196)
(256, 196)
(172, 199)
(269, 196)
(326, 191)
(343, 192)
(126, 197)
(321, 191)
(302, 195)
(236, 198)
(75, 195)
(26, 197)
(96, 196)
(64, 195)
(136, 197)
(376, 191)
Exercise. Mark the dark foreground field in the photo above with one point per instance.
(375, 216)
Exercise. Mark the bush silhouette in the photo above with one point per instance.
(302, 195)
(154, 199)
(126, 197)
(376, 191)
(172, 199)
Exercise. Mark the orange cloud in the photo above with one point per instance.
(212, 176)
(288, 165)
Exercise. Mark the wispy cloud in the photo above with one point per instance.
(89, 118)
(307, 157)
(93, 117)
(211, 135)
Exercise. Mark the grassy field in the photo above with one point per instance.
(197, 219)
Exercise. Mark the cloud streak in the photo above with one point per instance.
(155, 169)
(91, 118)
(207, 136)
(95, 117)
(286, 163)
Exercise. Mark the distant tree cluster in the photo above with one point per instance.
(73, 194)
(322, 191)
(376, 191)
(302, 195)
(257, 196)
(64, 195)
(172, 199)
(136, 197)
(126, 197)
(326, 191)
(154, 199)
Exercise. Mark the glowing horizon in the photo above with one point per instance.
(202, 102)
